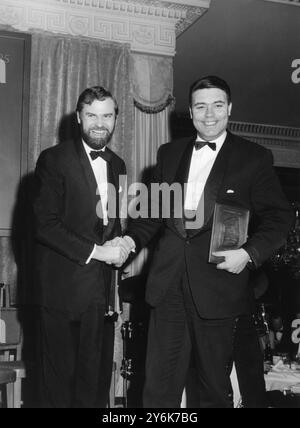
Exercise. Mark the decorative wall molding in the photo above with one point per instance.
(283, 141)
(287, 2)
(150, 26)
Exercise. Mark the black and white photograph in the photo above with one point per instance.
(149, 206)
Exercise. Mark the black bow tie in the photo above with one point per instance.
(200, 144)
(95, 154)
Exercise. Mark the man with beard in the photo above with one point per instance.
(73, 258)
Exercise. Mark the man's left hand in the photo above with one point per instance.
(235, 260)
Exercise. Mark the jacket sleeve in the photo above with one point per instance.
(48, 204)
(272, 210)
(146, 226)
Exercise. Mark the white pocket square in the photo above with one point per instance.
(230, 191)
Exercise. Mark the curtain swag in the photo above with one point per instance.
(152, 82)
(157, 109)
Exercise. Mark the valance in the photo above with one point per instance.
(152, 81)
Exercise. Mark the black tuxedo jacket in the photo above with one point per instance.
(67, 227)
(245, 170)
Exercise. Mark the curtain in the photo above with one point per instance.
(152, 82)
(62, 67)
(151, 131)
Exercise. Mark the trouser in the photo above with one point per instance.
(75, 359)
(177, 332)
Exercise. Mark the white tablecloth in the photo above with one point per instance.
(281, 380)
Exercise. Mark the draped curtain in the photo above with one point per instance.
(62, 67)
(151, 131)
(152, 78)
(152, 82)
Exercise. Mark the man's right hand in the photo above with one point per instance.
(126, 244)
(111, 255)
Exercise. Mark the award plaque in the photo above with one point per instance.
(230, 230)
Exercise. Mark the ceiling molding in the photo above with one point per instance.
(286, 2)
(150, 26)
(282, 140)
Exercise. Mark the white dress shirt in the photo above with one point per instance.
(99, 167)
(201, 165)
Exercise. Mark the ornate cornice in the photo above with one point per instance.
(150, 26)
(283, 141)
(287, 2)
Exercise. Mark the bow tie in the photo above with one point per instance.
(200, 144)
(95, 154)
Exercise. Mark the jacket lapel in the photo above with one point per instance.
(215, 179)
(181, 177)
(87, 172)
(113, 194)
(214, 182)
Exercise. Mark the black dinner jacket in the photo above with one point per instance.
(67, 227)
(242, 175)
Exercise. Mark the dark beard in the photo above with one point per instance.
(96, 143)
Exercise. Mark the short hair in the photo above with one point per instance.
(210, 82)
(99, 93)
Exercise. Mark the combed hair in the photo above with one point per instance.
(90, 95)
(210, 82)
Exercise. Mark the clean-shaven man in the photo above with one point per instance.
(199, 307)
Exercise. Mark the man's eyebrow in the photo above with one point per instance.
(204, 103)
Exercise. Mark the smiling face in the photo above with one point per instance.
(97, 123)
(210, 112)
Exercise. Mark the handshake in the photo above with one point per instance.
(116, 251)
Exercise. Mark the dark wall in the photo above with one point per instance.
(252, 44)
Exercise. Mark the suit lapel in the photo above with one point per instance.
(87, 172)
(214, 182)
(215, 179)
(113, 194)
(181, 177)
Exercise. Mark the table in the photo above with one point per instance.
(282, 380)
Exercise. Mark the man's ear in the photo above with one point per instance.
(78, 117)
(191, 113)
(230, 109)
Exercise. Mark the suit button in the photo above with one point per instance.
(188, 242)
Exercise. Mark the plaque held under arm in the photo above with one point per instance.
(230, 230)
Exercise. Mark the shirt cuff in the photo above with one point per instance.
(131, 243)
(91, 256)
(252, 264)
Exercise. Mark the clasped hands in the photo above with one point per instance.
(116, 251)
